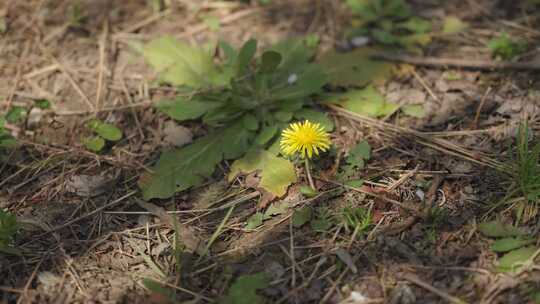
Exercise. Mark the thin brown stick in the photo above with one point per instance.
(480, 106)
(434, 290)
(483, 65)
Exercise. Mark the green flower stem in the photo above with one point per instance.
(308, 174)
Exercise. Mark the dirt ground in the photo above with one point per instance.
(87, 237)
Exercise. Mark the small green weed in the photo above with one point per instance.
(245, 101)
(8, 229)
(356, 220)
(506, 48)
(104, 131)
(517, 248)
(389, 22)
(6, 140)
(523, 193)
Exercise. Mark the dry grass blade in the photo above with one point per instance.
(424, 139)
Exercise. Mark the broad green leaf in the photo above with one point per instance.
(243, 290)
(250, 122)
(245, 56)
(362, 151)
(15, 114)
(283, 116)
(230, 52)
(276, 173)
(183, 109)
(2, 122)
(266, 133)
(106, 130)
(255, 220)
(507, 244)
(366, 102)
(294, 54)
(181, 64)
(317, 117)
(182, 168)
(94, 143)
(499, 229)
(303, 82)
(301, 216)
(453, 24)
(512, 261)
(270, 60)
(355, 68)
(414, 110)
(308, 191)
(275, 209)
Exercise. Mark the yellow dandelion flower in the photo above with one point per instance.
(304, 137)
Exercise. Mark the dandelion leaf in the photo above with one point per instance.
(276, 173)
(355, 68)
(181, 64)
(365, 101)
(182, 168)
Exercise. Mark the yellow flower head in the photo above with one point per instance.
(304, 137)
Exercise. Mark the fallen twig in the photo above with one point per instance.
(483, 65)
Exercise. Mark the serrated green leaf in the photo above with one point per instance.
(94, 143)
(317, 117)
(181, 64)
(499, 229)
(266, 134)
(255, 220)
(276, 173)
(453, 24)
(507, 244)
(512, 261)
(182, 168)
(301, 217)
(365, 101)
(355, 68)
(243, 290)
(414, 110)
(106, 130)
